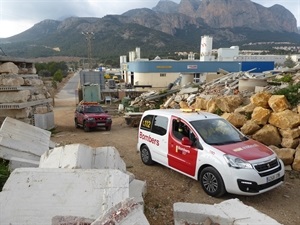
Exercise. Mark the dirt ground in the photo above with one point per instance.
(164, 186)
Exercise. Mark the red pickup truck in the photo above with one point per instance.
(91, 115)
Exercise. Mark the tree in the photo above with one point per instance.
(289, 62)
(58, 76)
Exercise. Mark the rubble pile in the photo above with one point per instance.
(263, 116)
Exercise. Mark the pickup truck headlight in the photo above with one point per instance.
(237, 163)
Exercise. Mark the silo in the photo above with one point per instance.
(206, 48)
(131, 56)
(138, 52)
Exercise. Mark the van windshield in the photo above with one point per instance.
(217, 131)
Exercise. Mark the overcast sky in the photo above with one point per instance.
(17, 16)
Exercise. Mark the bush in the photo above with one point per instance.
(291, 93)
(4, 172)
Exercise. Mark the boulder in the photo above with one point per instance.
(296, 163)
(286, 155)
(290, 143)
(250, 127)
(246, 109)
(261, 99)
(200, 103)
(290, 133)
(268, 135)
(211, 106)
(260, 115)
(9, 68)
(278, 103)
(12, 80)
(285, 120)
(229, 103)
(236, 119)
(15, 97)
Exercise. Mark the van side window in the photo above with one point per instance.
(155, 124)
(147, 123)
(180, 130)
(160, 125)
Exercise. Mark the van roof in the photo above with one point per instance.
(188, 116)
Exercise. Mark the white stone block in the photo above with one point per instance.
(33, 196)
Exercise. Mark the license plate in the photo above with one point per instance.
(273, 177)
(100, 124)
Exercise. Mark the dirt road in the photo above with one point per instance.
(164, 186)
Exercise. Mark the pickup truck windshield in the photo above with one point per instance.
(93, 109)
(217, 132)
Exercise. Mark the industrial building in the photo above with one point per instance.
(158, 73)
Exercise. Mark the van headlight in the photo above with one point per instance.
(237, 163)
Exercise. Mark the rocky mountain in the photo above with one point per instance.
(166, 28)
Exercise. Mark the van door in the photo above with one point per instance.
(153, 132)
(181, 154)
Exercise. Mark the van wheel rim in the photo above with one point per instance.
(145, 155)
(210, 182)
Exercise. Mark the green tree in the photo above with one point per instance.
(58, 76)
(289, 62)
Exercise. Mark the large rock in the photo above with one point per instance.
(290, 143)
(285, 154)
(296, 163)
(229, 103)
(290, 133)
(261, 99)
(200, 103)
(9, 68)
(236, 119)
(246, 109)
(260, 115)
(278, 103)
(268, 135)
(285, 120)
(15, 97)
(211, 105)
(11, 80)
(250, 127)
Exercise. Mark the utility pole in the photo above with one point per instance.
(89, 36)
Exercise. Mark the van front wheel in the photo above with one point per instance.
(146, 156)
(212, 182)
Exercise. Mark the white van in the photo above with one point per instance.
(208, 148)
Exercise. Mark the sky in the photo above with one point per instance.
(17, 16)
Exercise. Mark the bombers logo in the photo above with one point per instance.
(149, 139)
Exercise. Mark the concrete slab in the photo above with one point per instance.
(229, 212)
(33, 196)
(22, 140)
(16, 162)
(137, 190)
(128, 212)
(76, 156)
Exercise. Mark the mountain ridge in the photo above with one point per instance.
(166, 28)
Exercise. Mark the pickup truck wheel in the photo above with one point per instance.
(212, 182)
(76, 124)
(108, 128)
(146, 156)
(85, 127)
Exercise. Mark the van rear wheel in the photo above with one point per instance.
(212, 182)
(146, 156)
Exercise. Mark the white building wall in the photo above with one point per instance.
(228, 54)
(138, 53)
(295, 58)
(155, 79)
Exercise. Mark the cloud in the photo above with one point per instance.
(17, 16)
